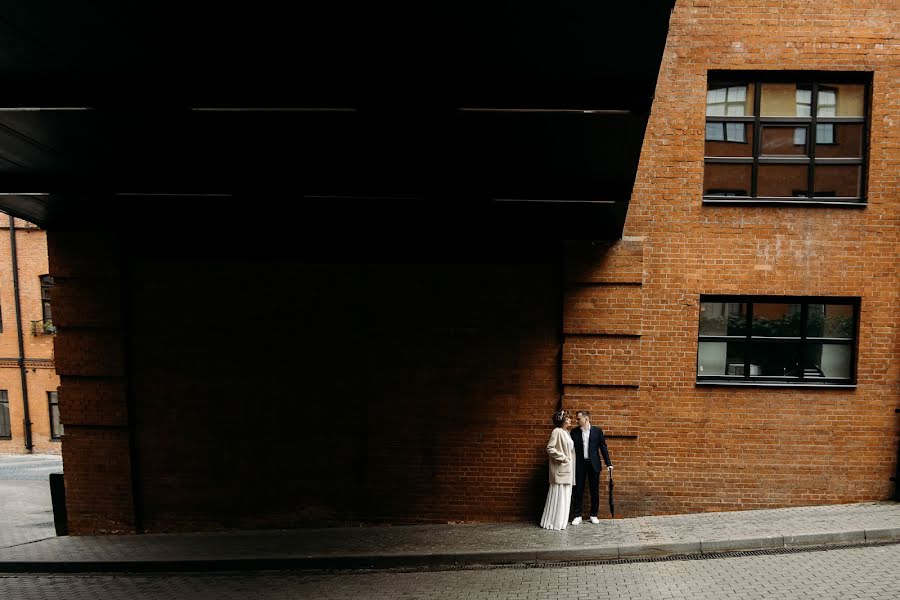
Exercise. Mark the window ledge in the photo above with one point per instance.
(765, 202)
(770, 384)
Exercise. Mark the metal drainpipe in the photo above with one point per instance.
(22, 371)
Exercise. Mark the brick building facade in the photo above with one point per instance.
(41, 431)
(268, 375)
(731, 447)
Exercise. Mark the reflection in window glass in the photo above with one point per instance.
(776, 320)
(729, 101)
(830, 321)
(715, 132)
(783, 181)
(837, 180)
(785, 100)
(839, 140)
(723, 318)
(842, 100)
(824, 133)
(827, 106)
(804, 102)
(729, 139)
(783, 141)
(726, 132)
(724, 180)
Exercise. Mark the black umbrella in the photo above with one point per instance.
(612, 504)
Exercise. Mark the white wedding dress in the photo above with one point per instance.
(559, 498)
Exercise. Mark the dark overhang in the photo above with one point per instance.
(470, 116)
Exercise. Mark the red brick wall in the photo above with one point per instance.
(93, 398)
(720, 448)
(274, 392)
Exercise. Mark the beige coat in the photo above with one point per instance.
(562, 457)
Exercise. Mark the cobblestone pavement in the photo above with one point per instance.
(27, 514)
(867, 573)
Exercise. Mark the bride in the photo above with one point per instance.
(562, 473)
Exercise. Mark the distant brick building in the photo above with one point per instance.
(736, 336)
(27, 373)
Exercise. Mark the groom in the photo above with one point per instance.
(589, 444)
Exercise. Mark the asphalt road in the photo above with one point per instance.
(867, 573)
(29, 467)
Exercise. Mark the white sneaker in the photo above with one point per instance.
(576, 521)
(595, 520)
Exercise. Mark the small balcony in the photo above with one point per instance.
(43, 327)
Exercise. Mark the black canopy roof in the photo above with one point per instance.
(459, 113)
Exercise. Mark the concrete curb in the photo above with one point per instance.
(446, 559)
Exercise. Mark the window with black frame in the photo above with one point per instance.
(777, 340)
(5, 429)
(56, 428)
(46, 286)
(785, 138)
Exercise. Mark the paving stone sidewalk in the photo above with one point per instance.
(27, 513)
(429, 545)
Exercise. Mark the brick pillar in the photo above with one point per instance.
(89, 352)
(601, 363)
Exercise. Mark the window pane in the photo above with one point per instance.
(726, 180)
(783, 141)
(729, 139)
(729, 100)
(776, 320)
(776, 359)
(842, 100)
(824, 133)
(839, 140)
(715, 132)
(5, 429)
(785, 100)
(723, 318)
(56, 428)
(830, 320)
(837, 180)
(827, 360)
(720, 358)
(827, 106)
(783, 181)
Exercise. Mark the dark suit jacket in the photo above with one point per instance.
(596, 442)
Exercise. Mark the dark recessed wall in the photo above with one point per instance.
(275, 390)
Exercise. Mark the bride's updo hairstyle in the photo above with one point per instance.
(559, 418)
